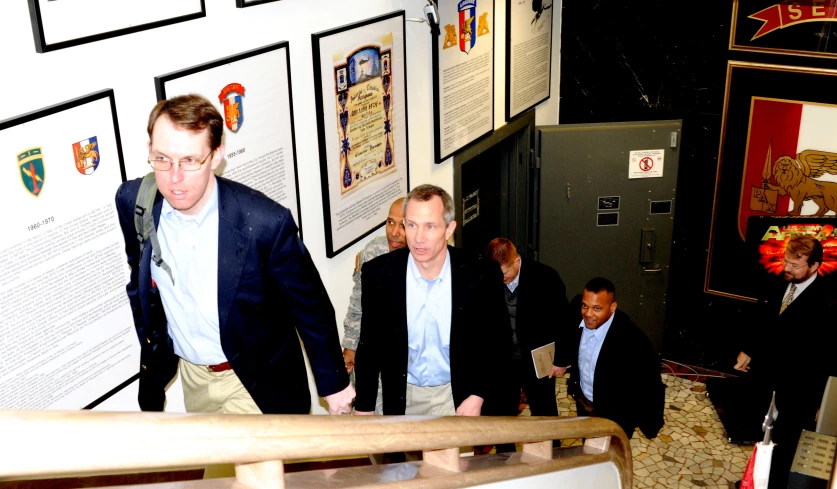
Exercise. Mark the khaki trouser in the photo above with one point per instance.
(433, 401)
(205, 391)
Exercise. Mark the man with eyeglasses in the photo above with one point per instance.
(242, 285)
(790, 352)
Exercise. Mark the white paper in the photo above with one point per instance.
(646, 163)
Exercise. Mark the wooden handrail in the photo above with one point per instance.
(62, 443)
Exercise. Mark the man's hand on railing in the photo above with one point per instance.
(558, 371)
(471, 406)
(340, 402)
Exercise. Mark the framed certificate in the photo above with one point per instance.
(360, 80)
(463, 75)
(58, 24)
(253, 92)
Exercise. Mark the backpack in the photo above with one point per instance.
(144, 221)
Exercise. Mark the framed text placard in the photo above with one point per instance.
(58, 24)
(773, 26)
(463, 75)
(528, 54)
(253, 91)
(360, 82)
(778, 157)
(69, 339)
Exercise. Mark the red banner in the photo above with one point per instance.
(783, 15)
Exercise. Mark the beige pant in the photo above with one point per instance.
(214, 392)
(205, 391)
(432, 401)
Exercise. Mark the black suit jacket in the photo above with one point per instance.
(542, 311)
(268, 291)
(479, 332)
(791, 352)
(627, 387)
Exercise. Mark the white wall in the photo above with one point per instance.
(128, 64)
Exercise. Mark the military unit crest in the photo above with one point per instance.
(231, 96)
(86, 155)
(469, 27)
(32, 170)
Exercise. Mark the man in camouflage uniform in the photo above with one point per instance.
(394, 239)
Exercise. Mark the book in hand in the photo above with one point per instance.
(543, 358)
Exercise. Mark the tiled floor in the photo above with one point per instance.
(691, 450)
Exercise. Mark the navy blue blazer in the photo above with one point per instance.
(480, 335)
(268, 292)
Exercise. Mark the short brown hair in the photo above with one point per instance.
(424, 193)
(502, 251)
(191, 112)
(805, 246)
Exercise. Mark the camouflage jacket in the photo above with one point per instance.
(351, 325)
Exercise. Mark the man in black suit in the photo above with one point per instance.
(616, 374)
(789, 352)
(242, 288)
(536, 299)
(433, 318)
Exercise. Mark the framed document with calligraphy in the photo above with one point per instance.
(360, 82)
(58, 24)
(528, 54)
(253, 92)
(777, 159)
(64, 314)
(463, 75)
(773, 26)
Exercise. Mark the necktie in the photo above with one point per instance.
(788, 299)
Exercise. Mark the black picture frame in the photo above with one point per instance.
(437, 48)
(742, 154)
(335, 246)
(253, 3)
(160, 88)
(49, 111)
(43, 46)
(510, 52)
(772, 26)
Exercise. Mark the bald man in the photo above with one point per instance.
(394, 239)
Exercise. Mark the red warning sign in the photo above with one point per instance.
(646, 164)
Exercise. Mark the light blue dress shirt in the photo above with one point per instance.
(429, 304)
(513, 284)
(189, 245)
(588, 354)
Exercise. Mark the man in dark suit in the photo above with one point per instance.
(433, 318)
(789, 353)
(616, 374)
(242, 284)
(536, 299)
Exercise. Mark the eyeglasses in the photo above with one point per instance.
(792, 265)
(164, 163)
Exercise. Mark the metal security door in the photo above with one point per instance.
(606, 208)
